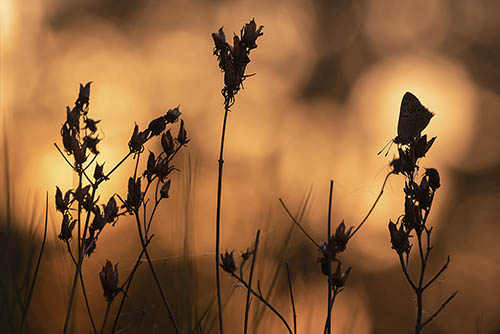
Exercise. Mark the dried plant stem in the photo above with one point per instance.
(263, 300)
(81, 256)
(84, 291)
(87, 305)
(153, 272)
(291, 299)
(218, 214)
(373, 206)
(298, 224)
(247, 306)
(117, 165)
(128, 281)
(72, 294)
(440, 309)
(108, 306)
(424, 252)
(329, 269)
(35, 275)
(332, 301)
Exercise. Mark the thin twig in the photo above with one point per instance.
(291, 298)
(247, 305)
(373, 206)
(114, 168)
(445, 266)
(298, 224)
(263, 300)
(440, 309)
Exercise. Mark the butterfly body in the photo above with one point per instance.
(413, 118)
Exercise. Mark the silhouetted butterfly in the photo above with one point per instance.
(413, 118)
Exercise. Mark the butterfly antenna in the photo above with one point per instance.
(389, 143)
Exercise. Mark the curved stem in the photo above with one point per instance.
(261, 298)
(218, 214)
(247, 306)
(155, 276)
(30, 295)
(373, 206)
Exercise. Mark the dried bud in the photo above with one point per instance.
(91, 143)
(246, 255)
(423, 194)
(91, 125)
(182, 138)
(163, 169)
(227, 262)
(67, 228)
(98, 222)
(109, 281)
(62, 204)
(80, 153)
(73, 118)
(397, 165)
(422, 146)
(165, 188)
(173, 115)
(134, 195)
(339, 278)
(167, 142)
(408, 161)
(412, 214)
(137, 140)
(84, 95)
(89, 244)
(250, 33)
(81, 193)
(434, 180)
(110, 210)
(99, 172)
(219, 40)
(157, 126)
(399, 239)
(68, 138)
(151, 167)
(239, 51)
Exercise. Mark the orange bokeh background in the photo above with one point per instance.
(324, 100)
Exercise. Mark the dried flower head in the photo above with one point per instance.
(227, 262)
(339, 277)
(399, 239)
(109, 281)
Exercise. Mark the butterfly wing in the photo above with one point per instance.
(413, 118)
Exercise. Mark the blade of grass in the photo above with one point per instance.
(37, 268)
(247, 307)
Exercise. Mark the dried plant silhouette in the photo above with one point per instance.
(418, 200)
(233, 60)
(80, 139)
(84, 216)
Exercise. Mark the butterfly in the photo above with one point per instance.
(413, 119)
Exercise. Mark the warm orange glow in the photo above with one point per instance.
(325, 99)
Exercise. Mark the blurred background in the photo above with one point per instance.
(325, 99)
